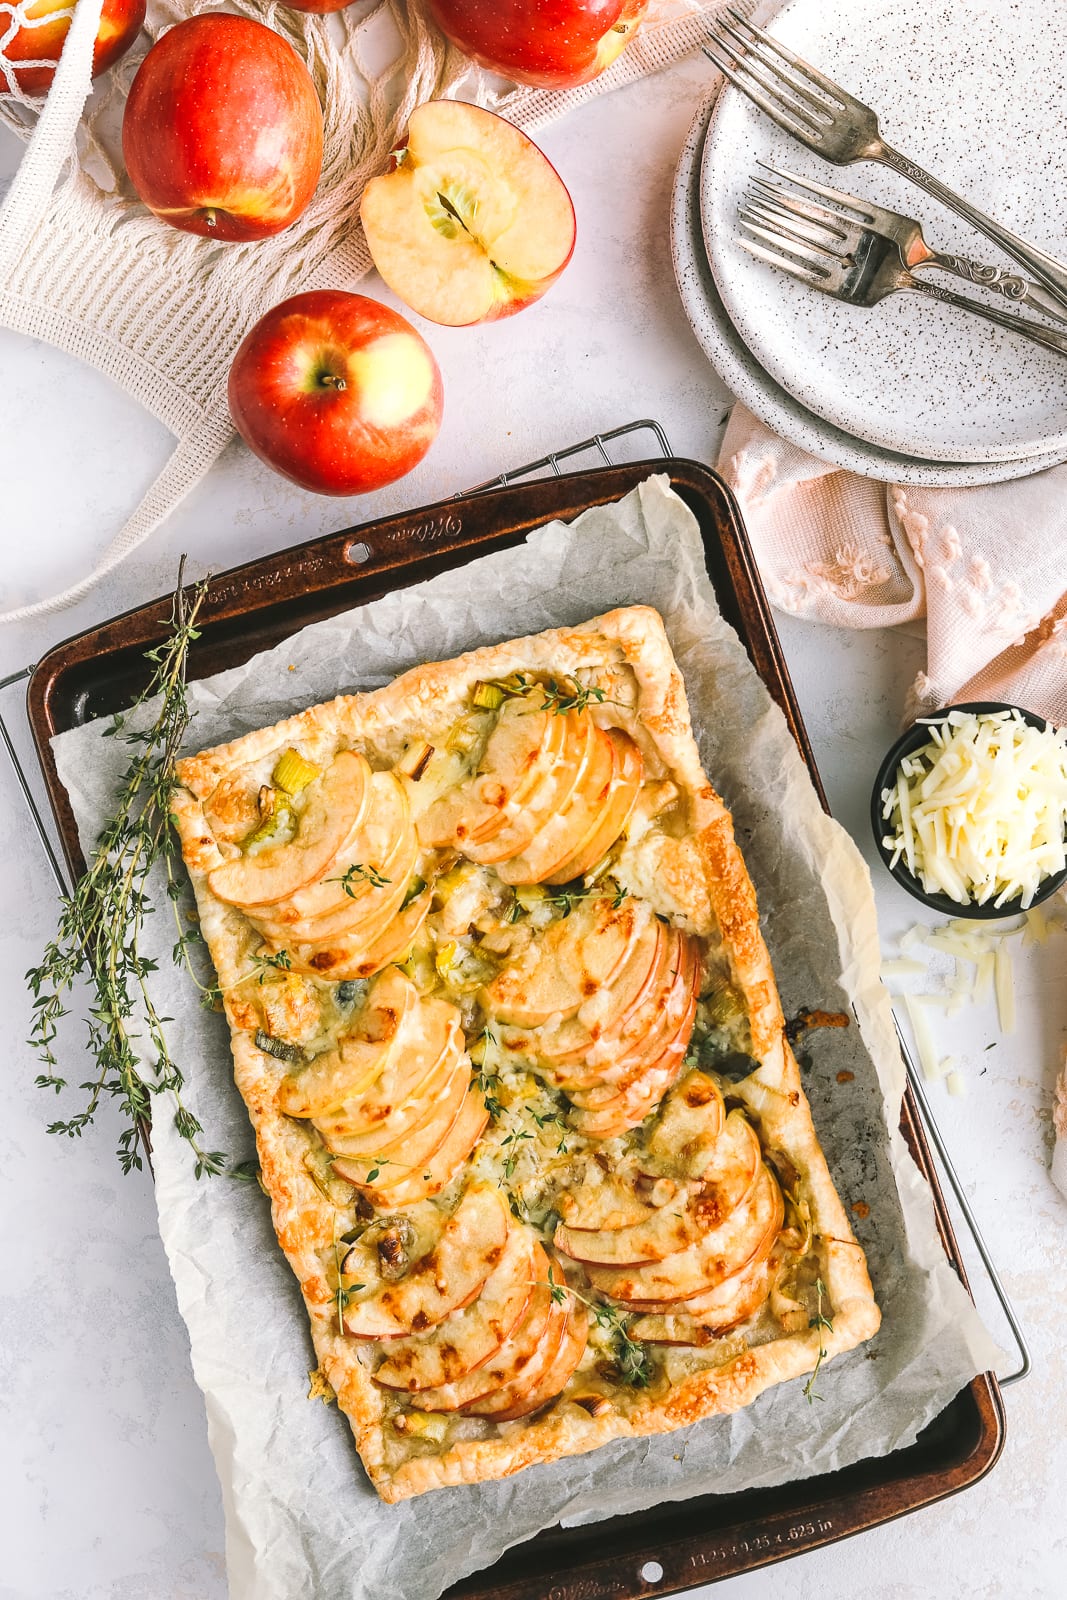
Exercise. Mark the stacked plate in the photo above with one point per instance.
(910, 390)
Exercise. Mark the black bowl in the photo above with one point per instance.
(915, 737)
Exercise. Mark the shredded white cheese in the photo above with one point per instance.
(979, 812)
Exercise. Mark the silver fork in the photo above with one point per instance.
(907, 234)
(827, 119)
(858, 265)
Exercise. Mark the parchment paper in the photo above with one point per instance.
(300, 1516)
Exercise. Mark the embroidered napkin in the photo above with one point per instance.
(982, 565)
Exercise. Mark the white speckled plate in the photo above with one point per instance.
(744, 376)
(974, 90)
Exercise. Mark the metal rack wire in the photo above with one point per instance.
(597, 447)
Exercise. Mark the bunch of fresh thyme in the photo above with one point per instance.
(100, 925)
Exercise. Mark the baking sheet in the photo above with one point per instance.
(300, 1515)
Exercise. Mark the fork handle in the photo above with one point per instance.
(1020, 291)
(1051, 338)
(1052, 273)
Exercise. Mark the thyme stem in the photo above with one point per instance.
(98, 937)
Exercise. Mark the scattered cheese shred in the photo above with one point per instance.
(903, 969)
(956, 1083)
(1005, 987)
(984, 982)
(924, 1038)
(978, 813)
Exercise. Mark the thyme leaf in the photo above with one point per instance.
(358, 873)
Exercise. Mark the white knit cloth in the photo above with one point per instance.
(86, 267)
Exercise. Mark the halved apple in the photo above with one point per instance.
(335, 801)
(466, 1339)
(455, 1270)
(348, 1072)
(473, 222)
(399, 1187)
(746, 1236)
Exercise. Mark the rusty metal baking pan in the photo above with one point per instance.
(673, 1546)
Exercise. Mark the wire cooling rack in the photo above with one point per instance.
(628, 443)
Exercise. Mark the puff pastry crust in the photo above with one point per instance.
(667, 1213)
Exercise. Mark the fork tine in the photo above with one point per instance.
(755, 48)
(803, 68)
(770, 194)
(818, 256)
(847, 202)
(790, 117)
(810, 221)
(783, 262)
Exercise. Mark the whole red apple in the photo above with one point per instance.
(337, 392)
(40, 38)
(473, 222)
(552, 44)
(222, 133)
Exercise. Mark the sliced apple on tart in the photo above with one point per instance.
(466, 1339)
(747, 1235)
(345, 1074)
(401, 1184)
(687, 1217)
(576, 957)
(707, 1317)
(364, 884)
(447, 1278)
(351, 957)
(333, 804)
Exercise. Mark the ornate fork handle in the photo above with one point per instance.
(1018, 290)
(1052, 273)
(1051, 338)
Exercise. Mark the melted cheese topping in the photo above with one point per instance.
(978, 814)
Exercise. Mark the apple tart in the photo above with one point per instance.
(507, 1030)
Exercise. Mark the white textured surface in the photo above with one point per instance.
(108, 1488)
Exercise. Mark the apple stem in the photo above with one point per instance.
(331, 380)
(210, 218)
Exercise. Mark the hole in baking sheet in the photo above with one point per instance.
(358, 553)
(651, 1572)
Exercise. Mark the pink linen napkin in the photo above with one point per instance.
(986, 567)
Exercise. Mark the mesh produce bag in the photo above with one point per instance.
(86, 267)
